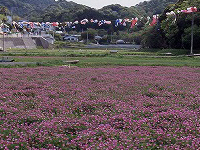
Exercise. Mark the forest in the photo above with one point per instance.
(62, 10)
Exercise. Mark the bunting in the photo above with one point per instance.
(190, 10)
(187, 11)
(84, 21)
(133, 22)
(148, 21)
(55, 24)
(118, 22)
(49, 25)
(155, 19)
(172, 13)
(151, 21)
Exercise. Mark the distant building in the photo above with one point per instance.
(59, 32)
(120, 42)
(72, 38)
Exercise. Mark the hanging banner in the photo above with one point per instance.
(133, 22)
(148, 21)
(172, 13)
(190, 10)
(155, 18)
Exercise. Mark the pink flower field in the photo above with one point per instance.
(100, 108)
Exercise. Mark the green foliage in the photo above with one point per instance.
(1, 17)
(102, 32)
(137, 39)
(57, 37)
(4, 10)
(175, 52)
(115, 11)
(175, 33)
(50, 10)
(152, 38)
(100, 58)
(187, 37)
(154, 6)
(105, 40)
(89, 34)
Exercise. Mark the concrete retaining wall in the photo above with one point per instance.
(24, 42)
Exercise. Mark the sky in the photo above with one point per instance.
(100, 3)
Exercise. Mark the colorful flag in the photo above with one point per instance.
(133, 22)
(172, 14)
(108, 22)
(148, 20)
(55, 24)
(76, 22)
(117, 22)
(190, 10)
(84, 21)
(155, 18)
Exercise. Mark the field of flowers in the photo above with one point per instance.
(138, 107)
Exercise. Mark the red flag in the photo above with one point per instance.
(31, 24)
(189, 10)
(55, 24)
(133, 22)
(154, 20)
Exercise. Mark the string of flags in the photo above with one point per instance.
(4, 27)
(186, 11)
(189, 10)
(148, 21)
(118, 22)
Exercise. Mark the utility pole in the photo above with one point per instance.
(3, 35)
(53, 33)
(111, 37)
(3, 42)
(87, 37)
(192, 34)
(191, 10)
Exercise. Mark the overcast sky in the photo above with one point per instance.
(100, 3)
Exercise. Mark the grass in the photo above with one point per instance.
(99, 58)
(138, 61)
(82, 52)
(110, 61)
(75, 52)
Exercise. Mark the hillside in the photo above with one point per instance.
(117, 11)
(154, 6)
(50, 10)
(22, 8)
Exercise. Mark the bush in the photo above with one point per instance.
(90, 34)
(58, 37)
(152, 38)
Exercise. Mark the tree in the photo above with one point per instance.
(152, 38)
(178, 32)
(3, 10)
(89, 34)
(187, 37)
